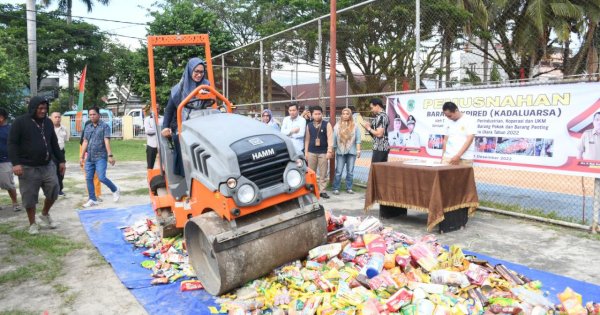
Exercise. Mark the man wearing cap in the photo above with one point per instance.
(32, 146)
(411, 139)
(459, 132)
(381, 145)
(395, 137)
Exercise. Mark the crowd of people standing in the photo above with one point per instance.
(319, 141)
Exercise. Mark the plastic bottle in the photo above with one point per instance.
(377, 249)
(374, 265)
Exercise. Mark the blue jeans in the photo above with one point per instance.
(340, 161)
(98, 167)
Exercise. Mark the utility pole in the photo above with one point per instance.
(32, 45)
(332, 74)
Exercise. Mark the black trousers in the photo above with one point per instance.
(379, 156)
(60, 177)
(151, 156)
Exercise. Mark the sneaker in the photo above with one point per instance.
(336, 192)
(350, 191)
(324, 195)
(34, 229)
(90, 203)
(47, 220)
(17, 207)
(62, 194)
(117, 194)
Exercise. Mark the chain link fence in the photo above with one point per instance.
(114, 123)
(387, 47)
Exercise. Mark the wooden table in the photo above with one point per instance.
(432, 189)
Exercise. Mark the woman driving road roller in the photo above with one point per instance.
(193, 76)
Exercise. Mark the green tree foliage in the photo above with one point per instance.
(379, 40)
(526, 32)
(11, 83)
(66, 6)
(175, 17)
(61, 48)
(495, 76)
(61, 103)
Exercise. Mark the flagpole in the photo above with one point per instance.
(79, 114)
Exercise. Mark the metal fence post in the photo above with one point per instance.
(223, 73)
(418, 45)
(347, 90)
(596, 205)
(321, 57)
(262, 79)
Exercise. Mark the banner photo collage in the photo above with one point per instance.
(546, 128)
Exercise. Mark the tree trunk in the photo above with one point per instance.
(448, 50)
(565, 58)
(592, 61)
(584, 52)
(441, 73)
(531, 66)
(32, 46)
(448, 61)
(71, 75)
(269, 84)
(486, 61)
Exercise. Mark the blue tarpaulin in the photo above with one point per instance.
(103, 227)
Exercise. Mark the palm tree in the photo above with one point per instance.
(458, 19)
(67, 5)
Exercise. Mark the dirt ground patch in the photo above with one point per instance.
(88, 285)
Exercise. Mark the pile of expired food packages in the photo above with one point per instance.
(366, 268)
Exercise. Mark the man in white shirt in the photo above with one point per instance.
(63, 136)
(294, 127)
(459, 132)
(151, 137)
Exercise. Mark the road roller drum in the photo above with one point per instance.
(225, 255)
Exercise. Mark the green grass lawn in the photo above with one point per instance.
(39, 257)
(123, 150)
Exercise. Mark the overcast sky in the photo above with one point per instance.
(117, 10)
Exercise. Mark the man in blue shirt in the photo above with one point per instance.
(7, 180)
(96, 144)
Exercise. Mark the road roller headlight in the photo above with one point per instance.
(293, 178)
(246, 193)
(299, 163)
(232, 183)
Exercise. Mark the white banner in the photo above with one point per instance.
(543, 128)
